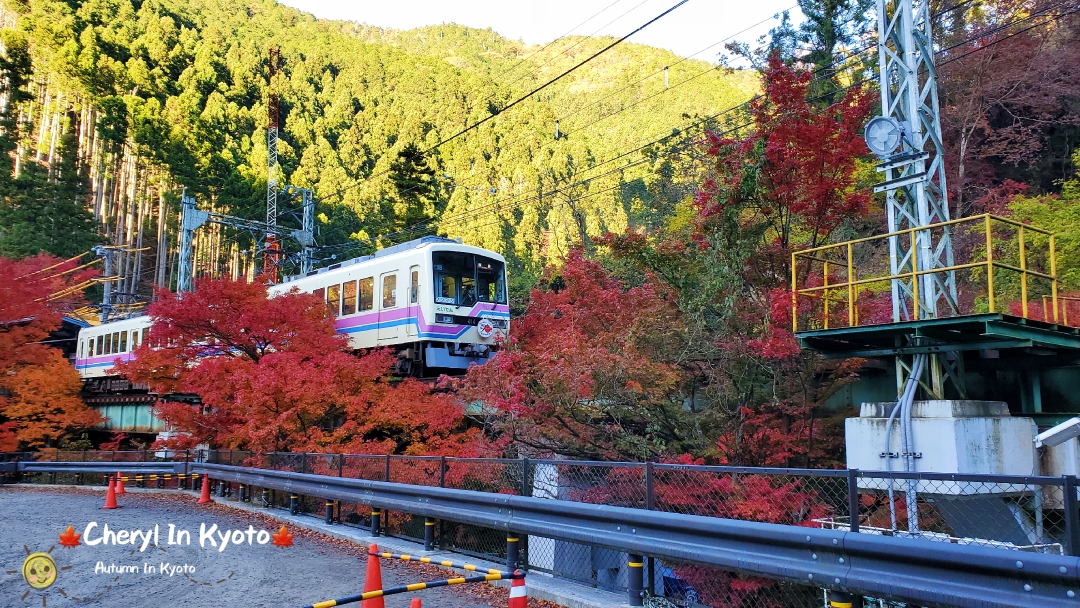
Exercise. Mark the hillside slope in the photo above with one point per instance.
(164, 94)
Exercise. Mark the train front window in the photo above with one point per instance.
(490, 280)
(463, 279)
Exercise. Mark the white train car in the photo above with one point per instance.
(441, 305)
(102, 346)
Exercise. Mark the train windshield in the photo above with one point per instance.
(463, 279)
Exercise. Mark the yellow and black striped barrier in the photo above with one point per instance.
(443, 562)
(155, 477)
(495, 575)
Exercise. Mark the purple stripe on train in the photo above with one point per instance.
(373, 319)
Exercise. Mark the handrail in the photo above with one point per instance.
(847, 287)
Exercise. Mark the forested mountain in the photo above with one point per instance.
(138, 100)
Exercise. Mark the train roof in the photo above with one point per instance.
(399, 248)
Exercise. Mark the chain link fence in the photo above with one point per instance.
(1006, 512)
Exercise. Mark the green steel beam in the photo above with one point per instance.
(928, 349)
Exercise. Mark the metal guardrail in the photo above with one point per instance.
(143, 468)
(895, 568)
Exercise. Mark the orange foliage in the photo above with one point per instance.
(39, 389)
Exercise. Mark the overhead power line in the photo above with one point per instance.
(572, 46)
(523, 97)
(545, 47)
(687, 58)
(557, 78)
(511, 202)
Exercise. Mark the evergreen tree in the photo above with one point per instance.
(414, 182)
(48, 214)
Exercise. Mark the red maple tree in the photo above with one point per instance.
(271, 374)
(39, 389)
(588, 372)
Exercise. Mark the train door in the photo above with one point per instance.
(414, 305)
(390, 313)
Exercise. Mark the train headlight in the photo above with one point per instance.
(444, 318)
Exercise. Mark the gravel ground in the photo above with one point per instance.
(316, 568)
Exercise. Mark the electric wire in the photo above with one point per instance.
(572, 46)
(505, 204)
(518, 100)
(687, 58)
(545, 47)
(556, 79)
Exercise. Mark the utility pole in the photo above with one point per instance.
(272, 167)
(192, 219)
(106, 254)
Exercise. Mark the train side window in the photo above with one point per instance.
(145, 331)
(333, 298)
(389, 291)
(108, 344)
(134, 339)
(414, 286)
(90, 347)
(348, 298)
(320, 293)
(79, 354)
(123, 342)
(115, 342)
(367, 293)
(100, 344)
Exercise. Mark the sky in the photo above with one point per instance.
(686, 31)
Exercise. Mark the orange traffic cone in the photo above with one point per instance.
(120, 484)
(518, 598)
(415, 603)
(204, 497)
(110, 496)
(373, 578)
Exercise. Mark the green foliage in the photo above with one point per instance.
(40, 213)
(43, 209)
(186, 81)
(1062, 215)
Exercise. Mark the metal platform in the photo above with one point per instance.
(989, 331)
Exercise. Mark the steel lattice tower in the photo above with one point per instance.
(915, 188)
(272, 167)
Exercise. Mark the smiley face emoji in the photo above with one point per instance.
(39, 570)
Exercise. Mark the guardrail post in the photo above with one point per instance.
(512, 551)
(386, 475)
(429, 534)
(635, 580)
(294, 504)
(329, 518)
(1072, 516)
(375, 514)
(266, 498)
(841, 599)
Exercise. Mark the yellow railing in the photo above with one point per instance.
(1062, 306)
(841, 280)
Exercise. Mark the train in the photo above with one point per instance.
(440, 305)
